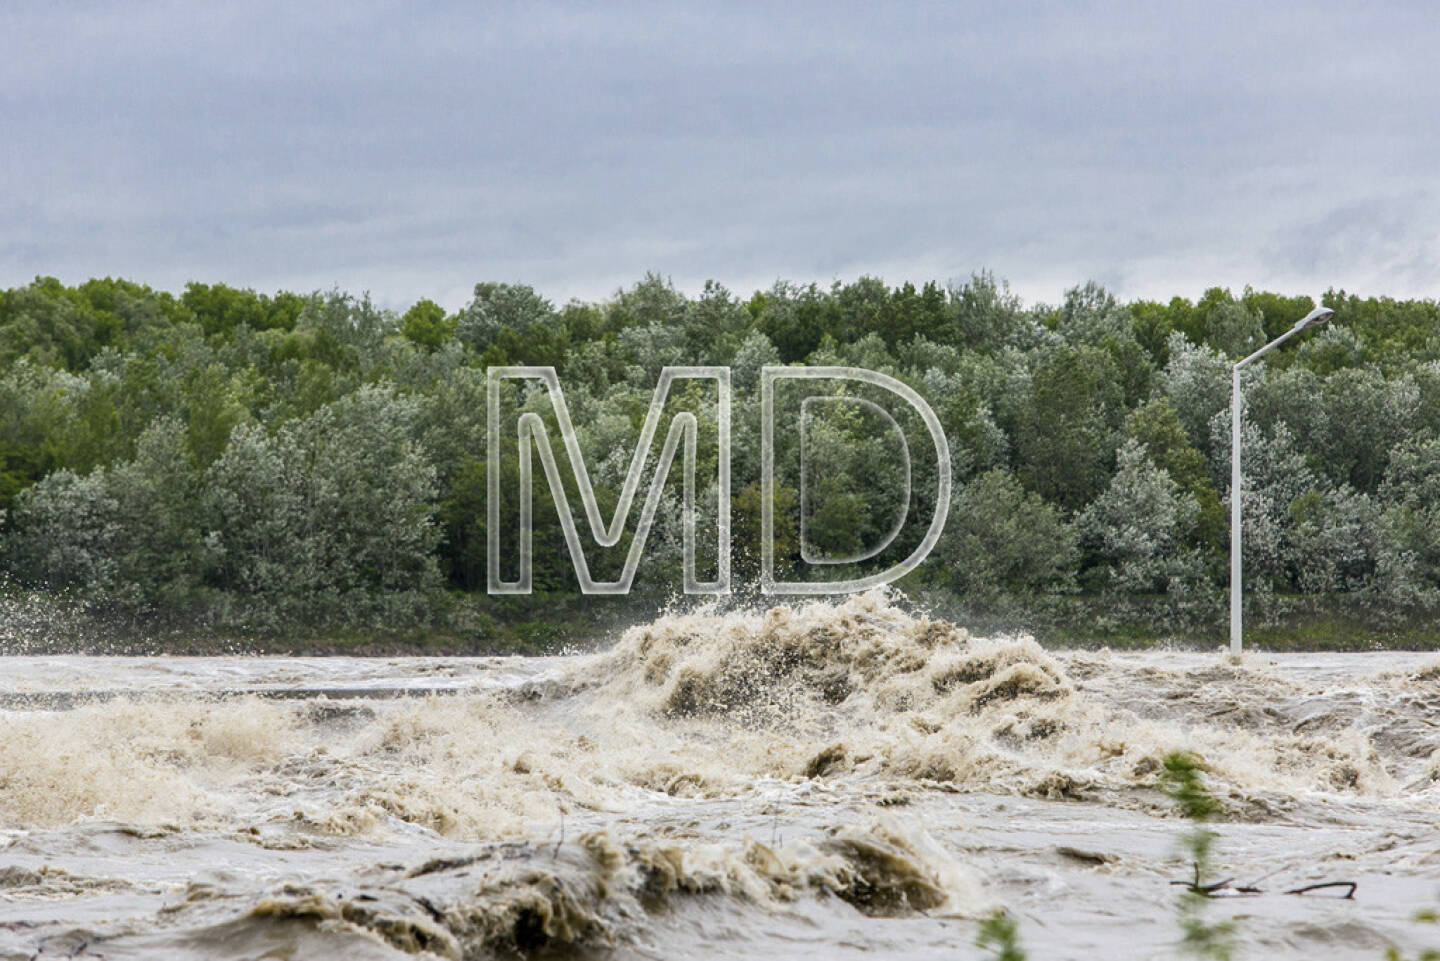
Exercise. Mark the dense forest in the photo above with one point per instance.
(270, 463)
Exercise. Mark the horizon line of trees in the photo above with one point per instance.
(273, 458)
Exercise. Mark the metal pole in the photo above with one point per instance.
(1235, 485)
(1317, 316)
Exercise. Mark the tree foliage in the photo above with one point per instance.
(312, 454)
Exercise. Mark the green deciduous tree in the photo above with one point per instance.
(1001, 538)
(1135, 531)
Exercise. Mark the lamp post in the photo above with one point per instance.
(1317, 316)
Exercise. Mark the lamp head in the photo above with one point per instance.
(1317, 316)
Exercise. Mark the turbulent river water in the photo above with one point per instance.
(838, 780)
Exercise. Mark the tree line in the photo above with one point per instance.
(277, 459)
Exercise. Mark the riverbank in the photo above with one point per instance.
(467, 625)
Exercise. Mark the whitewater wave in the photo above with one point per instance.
(595, 893)
(865, 688)
(718, 705)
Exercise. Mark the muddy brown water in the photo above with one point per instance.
(839, 780)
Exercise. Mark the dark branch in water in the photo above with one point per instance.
(1347, 896)
(1218, 889)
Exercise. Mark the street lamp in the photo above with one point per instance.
(1317, 316)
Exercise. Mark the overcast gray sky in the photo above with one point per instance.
(412, 150)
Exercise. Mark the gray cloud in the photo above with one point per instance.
(414, 149)
(1394, 238)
